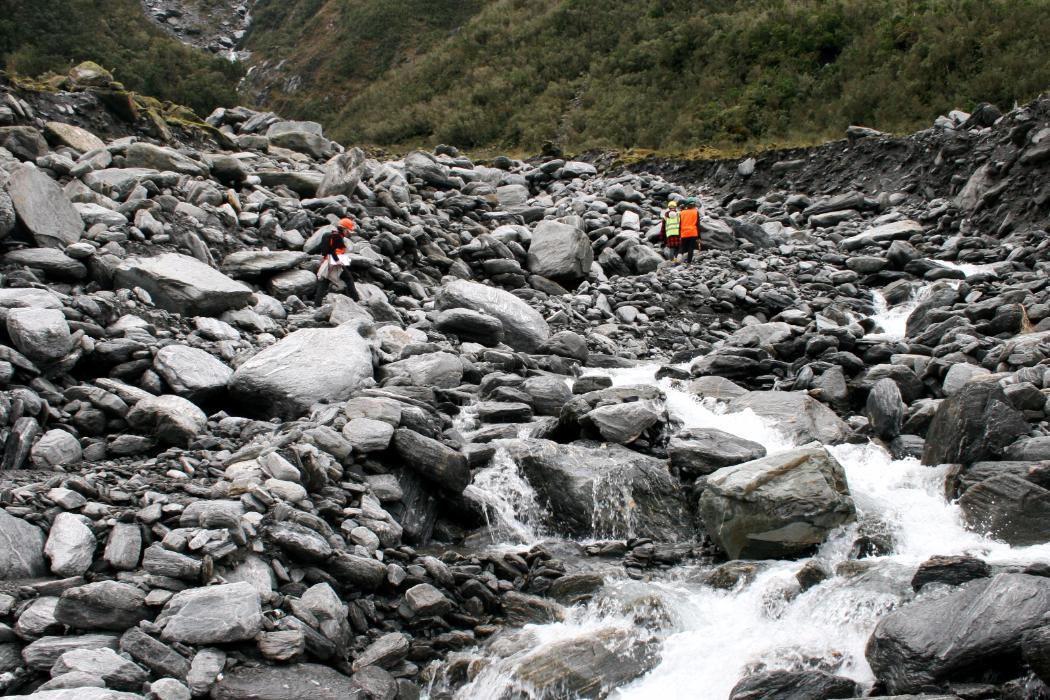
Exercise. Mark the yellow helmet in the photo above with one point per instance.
(672, 204)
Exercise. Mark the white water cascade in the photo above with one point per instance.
(709, 638)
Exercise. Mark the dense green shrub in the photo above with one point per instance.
(664, 74)
(53, 35)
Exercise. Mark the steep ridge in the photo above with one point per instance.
(535, 458)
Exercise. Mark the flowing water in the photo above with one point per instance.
(709, 638)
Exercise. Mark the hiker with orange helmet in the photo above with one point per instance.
(335, 266)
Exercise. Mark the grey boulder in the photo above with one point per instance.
(251, 264)
(105, 605)
(70, 545)
(55, 448)
(308, 366)
(212, 615)
(560, 252)
(438, 369)
(294, 682)
(701, 451)
(191, 372)
(978, 626)
(795, 413)
(44, 208)
(342, 173)
(21, 548)
(604, 492)
(172, 419)
(975, 424)
(183, 284)
(523, 327)
(780, 506)
(42, 335)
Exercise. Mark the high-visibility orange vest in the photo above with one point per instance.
(689, 219)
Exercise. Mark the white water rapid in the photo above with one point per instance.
(709, 638)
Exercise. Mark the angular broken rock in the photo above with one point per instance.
(294, 682)
(977, 626)
(182, 284)
(212, 615)
(42, 335)
(43, 208)
(780, 506)
(434, 460)
(70, 545)
(172, 419)
(386, 651)
(287, 378)
(21, 548)
(114, 669)
(523, 327)
(105, 605)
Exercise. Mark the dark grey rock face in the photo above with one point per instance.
(776, 507)
(979, 625)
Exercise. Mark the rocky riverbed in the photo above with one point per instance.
(536, 459)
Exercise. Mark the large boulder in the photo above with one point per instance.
(70, 545)
(172, 419)
(976, 628)
(182, 284)
(42, 335)
(438, 369)
(44, 208)
(794, 685)
(104, 605)
(295, 682)
(434, 460)
(146, 155)
(1009, 508)
(560, 252)
(229, 612)
(25, 142)
(795, 413)
(586, 666)
(56, 448)
(309, 366)
(975, 424)
(76, 138)
(251, 264)
(342, 174)
(604, 491)
(523, 327)
(780, 506)
(21, 548)
(701, 451)
(191, 372)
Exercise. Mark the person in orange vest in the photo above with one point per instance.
(669, 229)
(689, 229)
(335, 266)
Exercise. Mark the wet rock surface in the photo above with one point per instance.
(211, 484)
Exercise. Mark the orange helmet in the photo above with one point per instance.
(348, 224)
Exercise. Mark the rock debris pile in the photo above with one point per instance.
(210, 487)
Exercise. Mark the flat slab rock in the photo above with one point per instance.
(182, 284)
(296, 682)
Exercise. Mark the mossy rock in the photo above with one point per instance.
(120, 102)
(90, 74)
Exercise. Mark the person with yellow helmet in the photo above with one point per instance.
(670, 228)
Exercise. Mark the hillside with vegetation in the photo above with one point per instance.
(38, 36)
(672, 76)
(659, 74)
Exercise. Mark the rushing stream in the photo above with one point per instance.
(709, 638)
